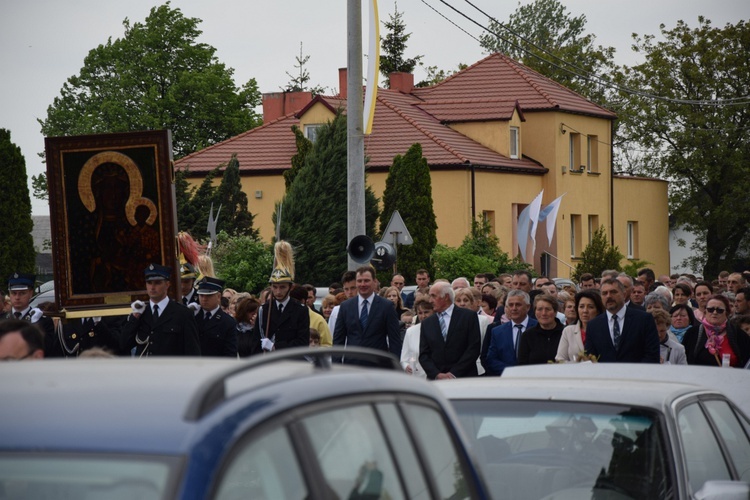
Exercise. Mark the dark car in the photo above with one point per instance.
(287, 425)
(593, 431)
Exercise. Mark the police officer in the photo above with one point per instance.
(187, 284)
(282, 321)
(217, 330)
(160, 327)
(21, 289)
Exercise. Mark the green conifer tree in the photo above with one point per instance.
(234, 218)
(314, 215)
(598, 256)
(16, 244)
(408, 189)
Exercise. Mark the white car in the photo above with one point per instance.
(605, 431)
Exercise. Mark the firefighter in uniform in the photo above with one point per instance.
(217, 330)
(160, 327)
(21, 289)
(282, 321)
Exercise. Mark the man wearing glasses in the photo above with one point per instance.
(20, 340)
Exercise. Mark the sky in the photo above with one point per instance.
(44, 42)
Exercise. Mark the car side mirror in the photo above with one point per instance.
(724, 490)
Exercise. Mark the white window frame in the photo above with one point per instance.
(515, 143)
(631, 239)
(311, 131)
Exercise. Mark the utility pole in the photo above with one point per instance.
(355, 149)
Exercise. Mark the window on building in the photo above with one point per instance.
(632, 240)
(575, 235)
(592, 153)
(311, 131)
(593, 226)
(514, 142)
(575, 152)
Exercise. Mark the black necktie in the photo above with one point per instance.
(616, 335)
(363, 316)
(184, 301)
(156, 311)
(17, 315)
(281, 308)
(519, 328)
(208, 316)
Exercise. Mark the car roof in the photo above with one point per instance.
(731, 382)
(162, 405)
(652, 394)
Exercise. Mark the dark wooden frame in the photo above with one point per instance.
(108, 226)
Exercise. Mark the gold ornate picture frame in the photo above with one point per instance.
(113, 212)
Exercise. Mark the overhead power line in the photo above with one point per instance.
(596, 79)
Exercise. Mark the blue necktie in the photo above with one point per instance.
(363, 316)
(443, 328)
(616, 332)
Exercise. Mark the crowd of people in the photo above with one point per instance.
(443, 329)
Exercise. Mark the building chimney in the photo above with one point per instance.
(342, 83)
(403, 82)
(278, 104)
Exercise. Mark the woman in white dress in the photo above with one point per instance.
(410, 346)
(588, 306)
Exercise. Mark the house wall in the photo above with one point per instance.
(494, 134)
(318, 113)
(643, 201)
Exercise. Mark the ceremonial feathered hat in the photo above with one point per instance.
(283, 271)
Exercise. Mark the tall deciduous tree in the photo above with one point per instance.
(408, 189)
(314, 215)
(598, 256)
(16, 244)
(549, 28)
(157, 76)
(703, 148)
(393, 59)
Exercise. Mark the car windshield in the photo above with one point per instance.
(543, 449)
(35, 476)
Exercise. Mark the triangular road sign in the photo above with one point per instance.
(396, 231)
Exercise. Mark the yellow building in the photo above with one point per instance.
(494, 135)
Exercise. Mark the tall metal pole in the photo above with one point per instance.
(354, 129)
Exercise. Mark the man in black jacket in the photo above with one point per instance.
(217, 330)
(160, 327)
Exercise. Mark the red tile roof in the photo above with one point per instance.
(491, 89)
(265, 148)
(498, 76)
(466, 110)
(400, 122)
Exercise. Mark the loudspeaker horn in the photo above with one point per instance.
(385, 256)
(361, 249)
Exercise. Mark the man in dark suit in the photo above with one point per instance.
(161, 327)
(282, 321)
(217, 330)
(621, 334)
(504, 339)
(368, 320)
(21, 290)
(449, 343)
(627, 283)
(82, 334)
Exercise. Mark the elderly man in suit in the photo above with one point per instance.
(505, 338)
(160, 327)
(621, 334)
(450, 342)
(368, 320)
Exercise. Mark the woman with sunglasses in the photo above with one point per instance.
(716, 338)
